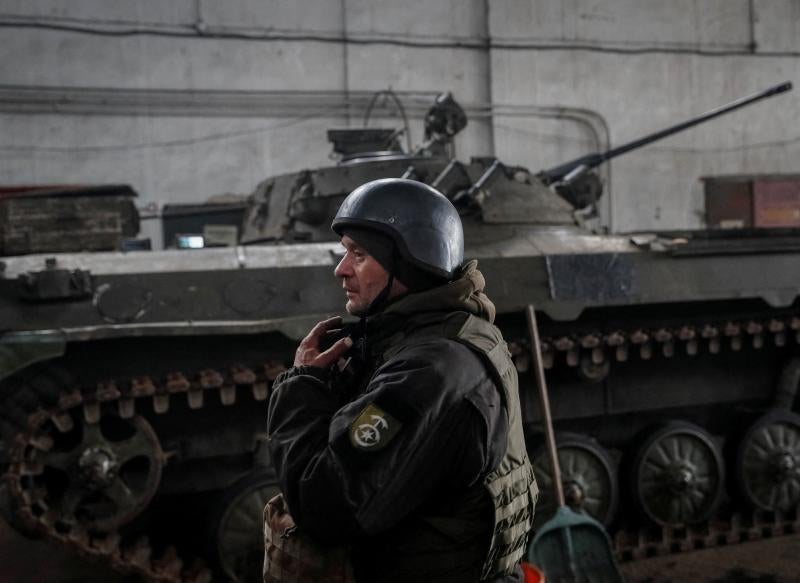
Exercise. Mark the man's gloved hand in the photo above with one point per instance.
(309, 354)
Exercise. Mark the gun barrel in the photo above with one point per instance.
(593, 160)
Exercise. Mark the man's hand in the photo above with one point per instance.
(308, 353)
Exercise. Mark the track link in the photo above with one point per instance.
(650, 542)
(601, 346)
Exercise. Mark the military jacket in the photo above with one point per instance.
(402, 467)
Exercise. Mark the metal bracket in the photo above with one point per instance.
(55, 284)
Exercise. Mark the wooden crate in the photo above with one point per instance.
(752, 200)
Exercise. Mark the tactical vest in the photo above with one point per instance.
(511, 485)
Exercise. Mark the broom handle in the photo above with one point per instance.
(538, 369)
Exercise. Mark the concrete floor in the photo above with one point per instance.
(26, 561)
(767, 561)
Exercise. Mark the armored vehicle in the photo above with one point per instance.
(133, 385)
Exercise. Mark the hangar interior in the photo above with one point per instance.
(669, 333)
(191, 99)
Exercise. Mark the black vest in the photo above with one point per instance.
(507, 495)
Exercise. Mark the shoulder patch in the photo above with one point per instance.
(373, 429)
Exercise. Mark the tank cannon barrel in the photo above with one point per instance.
(558, 173)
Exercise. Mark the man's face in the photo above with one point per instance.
(362, 276)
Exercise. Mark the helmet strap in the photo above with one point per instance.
(378, 302)
(374, 306)
(381, 298)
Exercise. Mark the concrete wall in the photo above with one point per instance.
(643, 65)
(191, 98)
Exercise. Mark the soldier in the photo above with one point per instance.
(412, 457)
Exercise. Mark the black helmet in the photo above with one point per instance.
(424, 225)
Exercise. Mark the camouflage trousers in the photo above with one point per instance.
(292, 557)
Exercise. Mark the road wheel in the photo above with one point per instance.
(768, 462)
(678, 475)
(236, 527)
(588, 475)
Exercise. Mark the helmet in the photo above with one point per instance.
(424, 225)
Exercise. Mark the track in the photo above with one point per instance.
(48, 510)
(747, 527)
(98, 529)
